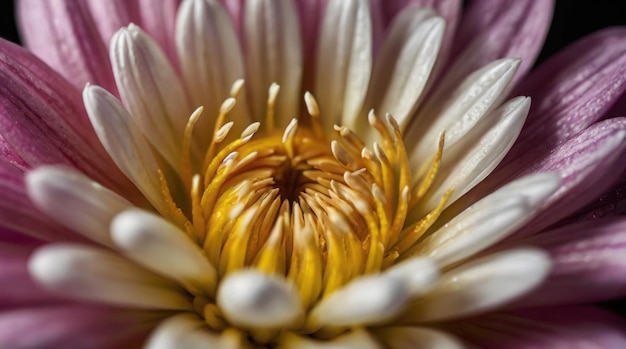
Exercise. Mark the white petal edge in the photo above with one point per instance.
(360, 339)
(456, 112)
(96, 275)
(375, 299)
(478, 152)
(151, 90)
(250, 298)
(211, 61)
(188, 331)
(273, 53)
(75, 201)
(124, 142)
(481, 285)
(417, 337)
(163, 248)
(404, 63)
(344, 61)
(489, 220)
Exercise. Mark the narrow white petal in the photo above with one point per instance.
(163, 248)
(476, 154)
(97, 275)
(150, 90)
(364, 301)
(124, 142)
(458, 111)
(481, 285)
(253, 299)
(211, 60)
(489, 220)
(418, 274)
(417, 337)
(375, 299)
(75, 201)
(187, 331)
(344, 61)
(357, 339)
(273, 55)
(404, 63)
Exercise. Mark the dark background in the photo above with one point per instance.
(573, 19)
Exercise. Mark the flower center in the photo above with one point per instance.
(315, 209)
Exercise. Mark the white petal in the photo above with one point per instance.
(357, 339)
(481, 285)
(211, 60)
(273, 55)
(252, 299)
(458, 111)
(100, 276)
(124, 143)
(404, 63)
(418, 274)
(150, 90)
(476, 154)
(75, 201)
(344, 61)
(489, 220)
(163, 248)
(375, 299)
(417, 337)
(187, 331)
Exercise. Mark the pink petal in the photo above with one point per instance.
(158, 19)
(72, 326)
(589, 263)
(109, 16)
(18, 289)
(494, 29)
(571, 91)
(545, 328)
(17, 212)
(8, 154)
(589, 164)
(235, 9)
(63, 33)
(44, 122)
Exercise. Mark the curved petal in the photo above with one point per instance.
(311, 13)
(101, 276)
(151, 91)
(480, 286)
(66, 37)
(589, 263)
(588, 165)
(572, 328)
(344, 61)
(75, 201)
(494, 29)
(72, 326)
(571, 91)
(42, 118)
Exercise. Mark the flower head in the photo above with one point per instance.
(304, 174)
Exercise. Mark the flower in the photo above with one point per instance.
(201, 197)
